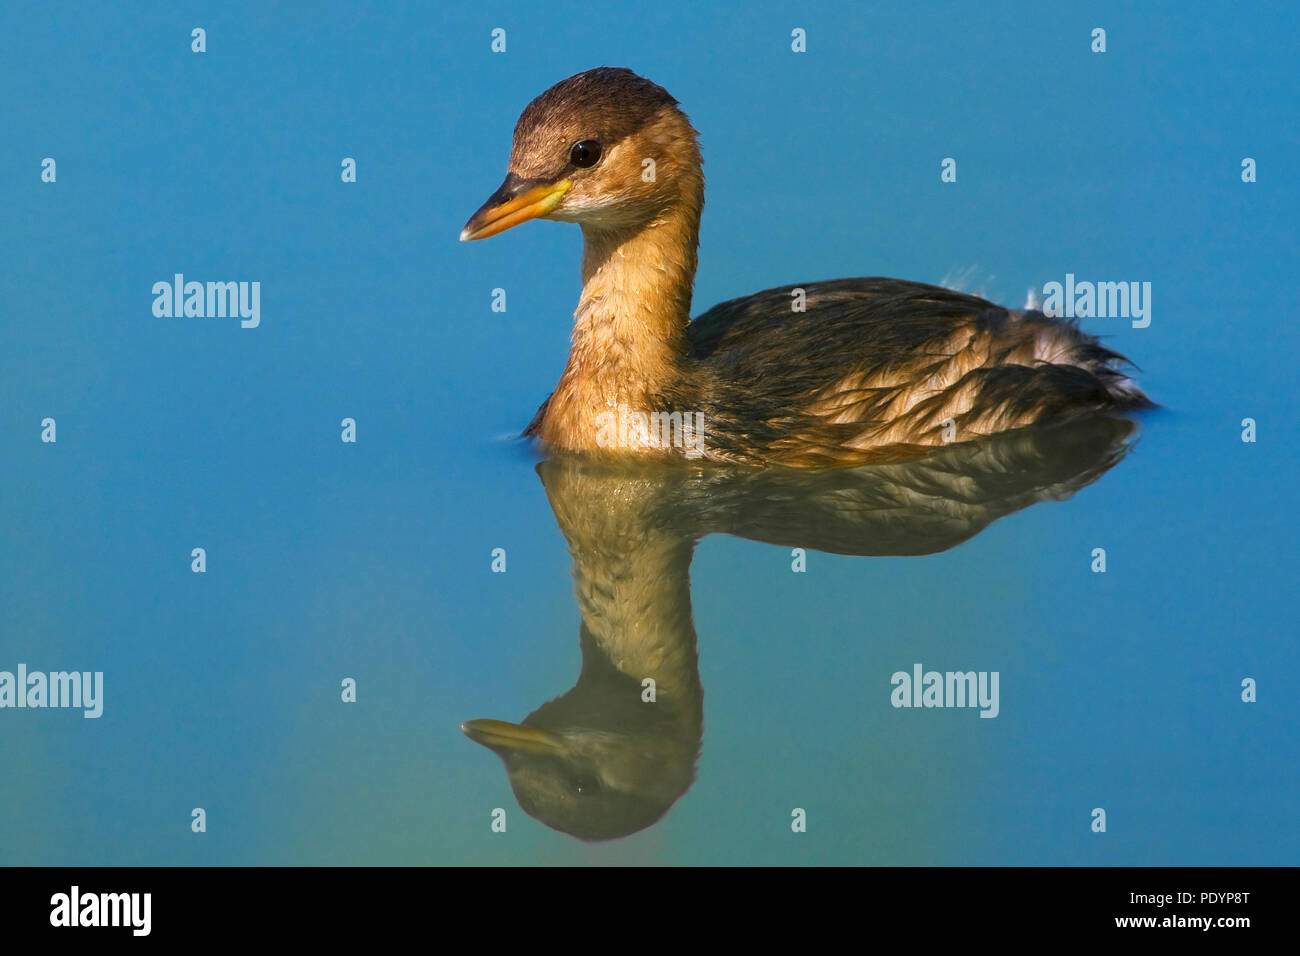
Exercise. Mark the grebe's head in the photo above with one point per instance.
(606, 148)
(614, 771)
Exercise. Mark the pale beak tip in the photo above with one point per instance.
(464, 234)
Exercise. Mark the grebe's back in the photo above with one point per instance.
(875, 369)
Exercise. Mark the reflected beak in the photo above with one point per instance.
(518, 200)
(500, 735)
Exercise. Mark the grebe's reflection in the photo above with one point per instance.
(599, 761)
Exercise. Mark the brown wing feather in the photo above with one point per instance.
(879, 368)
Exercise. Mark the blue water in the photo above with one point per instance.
(372, 560)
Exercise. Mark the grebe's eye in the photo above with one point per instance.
(586, 154)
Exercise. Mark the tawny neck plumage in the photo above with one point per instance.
(629, 334)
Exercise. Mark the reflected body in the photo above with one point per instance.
(602, 761)
(843, 372)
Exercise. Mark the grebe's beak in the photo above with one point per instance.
(518, 200)
(499, 735)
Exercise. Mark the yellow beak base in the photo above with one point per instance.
(512, 204)
(501, 735)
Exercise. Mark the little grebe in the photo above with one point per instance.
(871, 369)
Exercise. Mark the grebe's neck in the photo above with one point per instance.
(629, 333)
